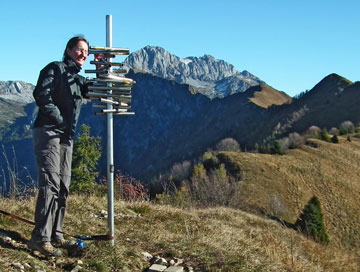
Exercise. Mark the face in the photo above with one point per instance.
(79, 53)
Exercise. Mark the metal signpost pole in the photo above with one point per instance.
(110, 141)
(113, 90)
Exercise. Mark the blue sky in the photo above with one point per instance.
(291, 45)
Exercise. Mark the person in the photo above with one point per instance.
(59, 93)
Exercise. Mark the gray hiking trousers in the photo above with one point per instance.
(53, 153)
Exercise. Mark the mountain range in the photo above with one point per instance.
(185, 106)
(207, 75)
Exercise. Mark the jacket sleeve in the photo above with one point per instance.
(84, 86)
(43, 91)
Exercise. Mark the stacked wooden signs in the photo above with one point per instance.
(110, 87)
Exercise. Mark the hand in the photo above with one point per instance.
(98, 57)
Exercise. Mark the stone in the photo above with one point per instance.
(60, 261)
(147, 255)
(161, 261)
(18, 266)
(174, 269)
(178, 261)
(76, 268)
(157, 268)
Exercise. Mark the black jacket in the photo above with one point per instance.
(58, 94)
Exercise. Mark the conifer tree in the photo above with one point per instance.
(324, 135)
(87, 152)
(311, 221)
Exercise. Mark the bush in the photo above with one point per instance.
(324, 135)
(228, 144)
(215, 188)
(295, 140)
(334, 131)
(346, 127)
(181, 171)
(335, 139)
(313, 132)
(210, 161)
(311, 222)
(129, 189)
(265, 149)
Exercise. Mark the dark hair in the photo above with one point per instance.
(73, 42)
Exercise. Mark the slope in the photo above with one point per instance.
(332, 101)
(266, 96)
(216, 239)
(281, 186)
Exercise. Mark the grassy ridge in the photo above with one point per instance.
(219, 239)
(282, 185)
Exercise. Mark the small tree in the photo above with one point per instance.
(87, 152)
(311, 221)
(278, 148)
(325, 135)
(335, 139)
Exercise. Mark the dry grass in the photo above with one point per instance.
(216, 239)
(282, 185)
(268, 96)
(219, 239)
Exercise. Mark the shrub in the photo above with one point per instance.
(324, 135)
(215, 188)
(346, 127)
(313, 132)
(335, 139)
(295, 140)
(210, 161)
(181, 171)
(311, 222)
(179, 198)
(129, 189)
(277, 208)
(265, 148)
(334, 131)
(228, 144)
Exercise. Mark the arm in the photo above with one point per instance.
(42, 94)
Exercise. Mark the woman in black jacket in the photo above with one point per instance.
(58, 94)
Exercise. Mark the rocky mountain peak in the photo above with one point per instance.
(17, 91)
(207, 74)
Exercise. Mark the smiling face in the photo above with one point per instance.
(79, 53)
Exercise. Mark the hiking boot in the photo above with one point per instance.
(44, 248)
(63, 243)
